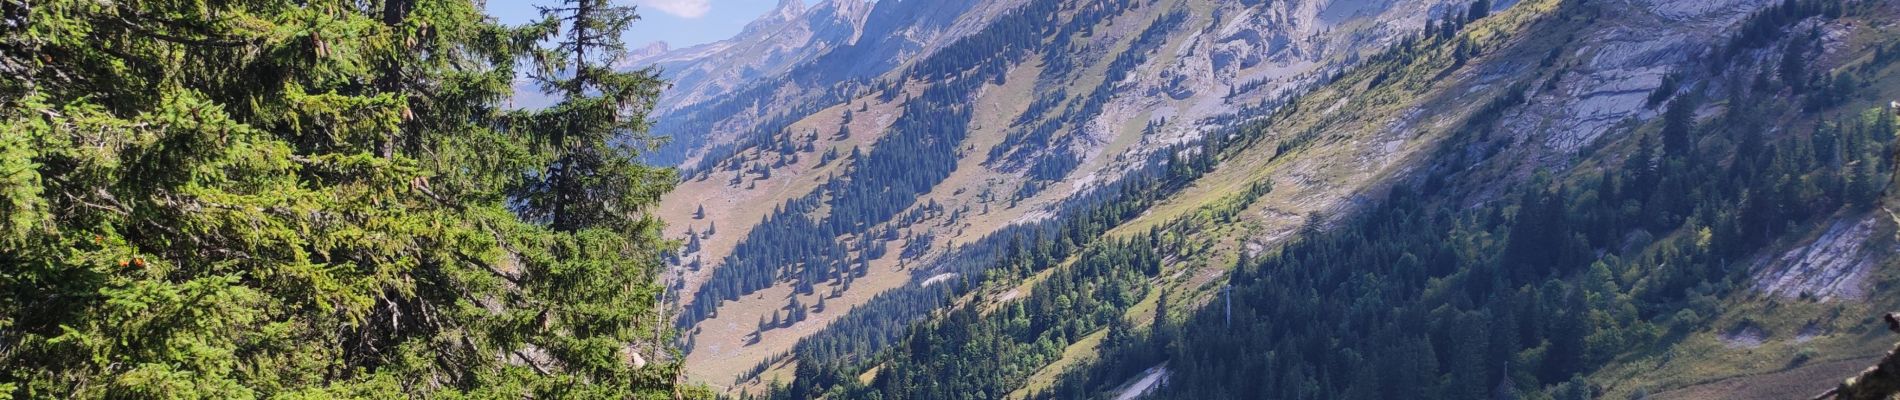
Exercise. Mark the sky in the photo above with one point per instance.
(679, 23)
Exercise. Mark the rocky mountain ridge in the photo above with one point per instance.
(1172, 84)
(1285, 117)
(783, 37)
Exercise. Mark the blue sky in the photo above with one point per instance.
(680, 23)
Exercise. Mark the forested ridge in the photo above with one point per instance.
(1437, 288)
(792, 242)
(1415, 298)
(919, 151)
(326, 199)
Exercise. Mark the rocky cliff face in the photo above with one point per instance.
(1240, 59)
(769, 46)
(792, 62)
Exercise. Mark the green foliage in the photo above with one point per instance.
(594, 134)
(311, 200)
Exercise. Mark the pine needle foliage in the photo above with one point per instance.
(320, 199)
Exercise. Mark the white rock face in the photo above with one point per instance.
(1680, 10)
(1239, 56)
(1146, 383)
(1623, 64)
(1834, 266)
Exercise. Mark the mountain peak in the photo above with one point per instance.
(788, 9)
(654, 49)
(840, 6)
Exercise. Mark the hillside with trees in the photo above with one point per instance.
(879, 194)
(1482, 269)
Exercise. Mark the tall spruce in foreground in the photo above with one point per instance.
(317, 199)
(596, 129)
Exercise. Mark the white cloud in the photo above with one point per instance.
(678, 8)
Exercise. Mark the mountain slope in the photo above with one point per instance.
(1002, 168)
(1054, 129)
(1539, 171)
(788, 35)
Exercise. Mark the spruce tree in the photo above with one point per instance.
(1678, 126)
(594, 134)
(314, 199)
